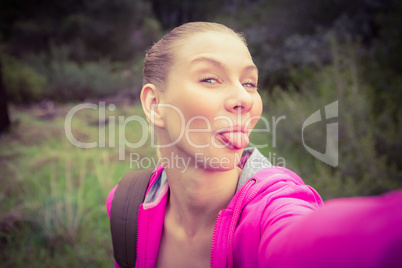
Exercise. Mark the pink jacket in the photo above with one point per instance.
(263, 225)
(346, 232)
(264, 205)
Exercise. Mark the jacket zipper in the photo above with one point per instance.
(235, 218)
(217, 223)
(236, 214)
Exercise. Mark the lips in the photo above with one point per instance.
(236, 138)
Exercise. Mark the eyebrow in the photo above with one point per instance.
(221, 65)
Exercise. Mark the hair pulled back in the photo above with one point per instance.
(160, 56)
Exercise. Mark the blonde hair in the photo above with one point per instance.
(159, 58)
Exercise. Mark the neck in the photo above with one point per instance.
(197, 195)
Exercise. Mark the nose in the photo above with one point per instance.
(240, 100)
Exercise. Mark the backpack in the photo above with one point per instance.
(128, 197)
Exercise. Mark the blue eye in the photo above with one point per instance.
(250, 84)
(209, 80)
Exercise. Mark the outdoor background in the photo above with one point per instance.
(57, 54)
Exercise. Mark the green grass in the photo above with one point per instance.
(53, 194)
(364, 167)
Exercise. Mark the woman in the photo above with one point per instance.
(215, 203)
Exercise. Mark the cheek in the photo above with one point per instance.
(174, 122)
(200, 116)
(185, 115)
(199, 105)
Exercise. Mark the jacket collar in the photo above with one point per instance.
(253, 162)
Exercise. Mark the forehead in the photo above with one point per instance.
(224, 47)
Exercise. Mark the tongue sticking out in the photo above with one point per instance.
(238, 140)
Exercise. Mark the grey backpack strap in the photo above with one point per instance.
(128, 197)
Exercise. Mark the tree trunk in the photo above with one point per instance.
(4, 117)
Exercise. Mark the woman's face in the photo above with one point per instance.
(210, 103)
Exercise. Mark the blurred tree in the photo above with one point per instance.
(4, 117)
(384, 72)
(288, 34)
(90, 28)
(176, 12)
(383, 68)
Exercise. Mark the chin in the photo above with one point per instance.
(218, 161)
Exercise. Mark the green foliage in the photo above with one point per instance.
(53, 194)
(69, 80)
(383, 67)
(93, 29)
(22, 83)
(290, 33)
(362, 169)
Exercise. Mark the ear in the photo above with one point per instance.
(150, 97)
